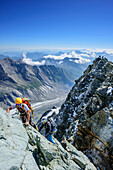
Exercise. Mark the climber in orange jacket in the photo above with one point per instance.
(24, 112)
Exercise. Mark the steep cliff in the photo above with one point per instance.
(24, 148)
(86, 117)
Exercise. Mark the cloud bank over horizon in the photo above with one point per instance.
(80, 56)
(31, 62)
(73, 55)
(91, 51)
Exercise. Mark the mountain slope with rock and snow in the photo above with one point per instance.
(86, 117)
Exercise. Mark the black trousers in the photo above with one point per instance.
(24, 120)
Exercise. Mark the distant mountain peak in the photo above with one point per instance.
(8, 59)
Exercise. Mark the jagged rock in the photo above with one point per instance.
(78, 156)
(13, 143)
(55, 157)
(98, 63)
(88, 69)
(87, 95)
(24, 148)
(96, 136)
(102, 91)
(108, 67)
(89, 102)
(29, 162)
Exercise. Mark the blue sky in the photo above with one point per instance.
(56, 24)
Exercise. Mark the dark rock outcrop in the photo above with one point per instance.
(86, 118)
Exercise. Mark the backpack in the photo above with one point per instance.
(26, 101)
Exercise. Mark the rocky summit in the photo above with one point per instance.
(86, 117)
(24, 148)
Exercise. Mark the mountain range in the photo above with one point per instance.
(72, 60)
(38, 75)
(38, 83)
(84, 137)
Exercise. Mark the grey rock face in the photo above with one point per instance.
(24, 148)
(13, 142)
(85, 115)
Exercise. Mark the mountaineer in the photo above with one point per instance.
(49, 129)
(24, 108)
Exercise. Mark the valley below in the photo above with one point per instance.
(41, 107)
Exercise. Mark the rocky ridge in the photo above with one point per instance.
(86, 117)
(24, 148)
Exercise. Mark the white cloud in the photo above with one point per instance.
(82, 57)
(90, 51)
(93, 51)
(30, 62)
(60, 62)
(109, 51)
(78, 57)
(93, 55)
(81, 60)
(61, 57)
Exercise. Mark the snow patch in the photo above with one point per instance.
(60, 62)
(76, 127)
(74, 114)
(52, 111)
(80, 96)
(109, 91)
